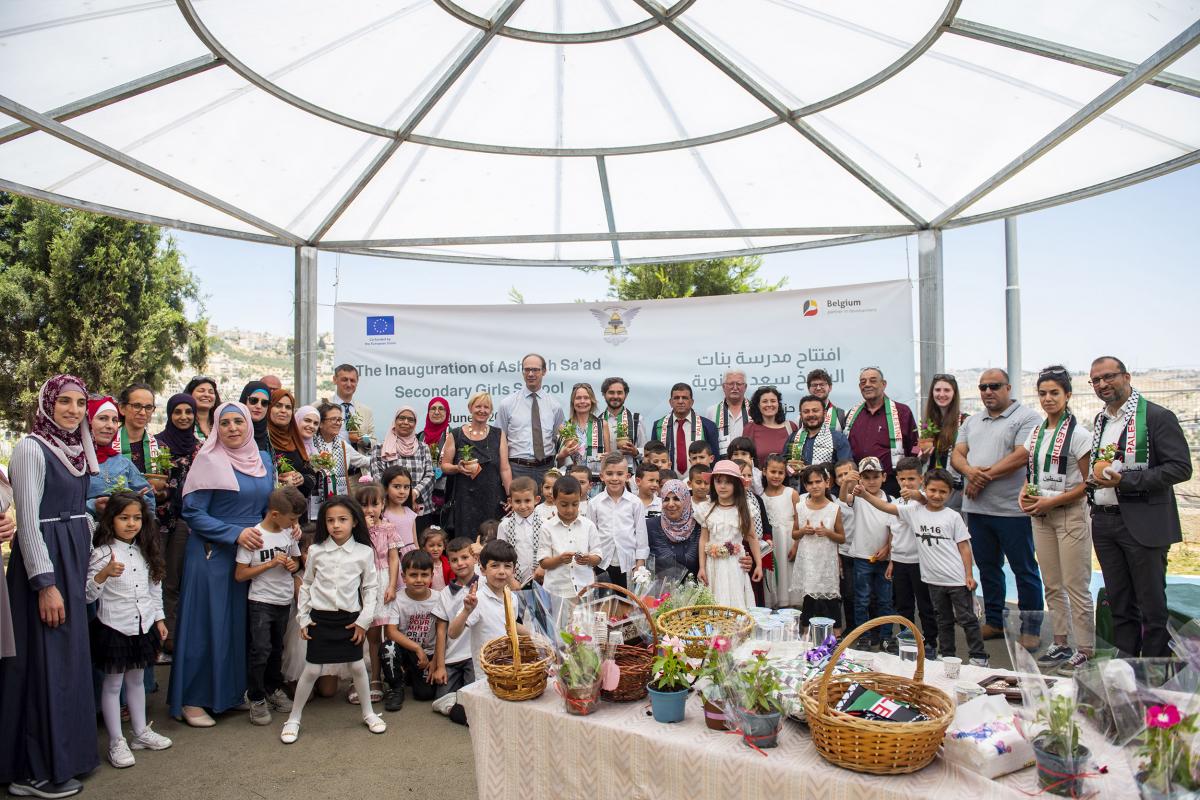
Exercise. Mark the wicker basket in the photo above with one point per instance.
(634, 661)
(873, 746)
(725, 621)
(516, 666)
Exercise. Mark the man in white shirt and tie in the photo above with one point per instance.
(345, 380)
(529, 419)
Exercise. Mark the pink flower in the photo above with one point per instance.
(720, 644)
(758, 652)
(672, 643)
(582, 637)
(1162, 717)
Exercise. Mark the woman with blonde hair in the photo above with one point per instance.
(584, 444)
(480, 481)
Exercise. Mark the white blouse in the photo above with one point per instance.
(333, 575)
(130, 603)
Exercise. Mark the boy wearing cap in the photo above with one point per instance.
(870, 549)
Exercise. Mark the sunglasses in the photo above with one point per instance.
(257, 401)
(942, 376)
(991, 387)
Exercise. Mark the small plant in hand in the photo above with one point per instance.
(467, 454)
(282, 465)
(323, 461)
(1031, 490)
(118, 484)
(1105, 457)
(621, 432)
(670, 671)
(435, 452)
(354, 423)
(568, 432)
(160, 463)
(1167, 761)
(928, 430)
(796, 451)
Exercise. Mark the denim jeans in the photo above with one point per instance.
(993, 539)
(267, 624)
(868, 581)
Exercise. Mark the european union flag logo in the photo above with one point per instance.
(381, 326)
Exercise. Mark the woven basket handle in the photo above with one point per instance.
(510, 626)
(894, 619)
(622, 590)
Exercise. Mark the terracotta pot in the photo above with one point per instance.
(156, 481)
(623, 440)
(925, 444)
(714, 716)
(1099, 467)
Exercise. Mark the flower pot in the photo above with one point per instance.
(760, 730)
(925, 444)
(1149, 792)
(580, 700)
(1099, 467)
(667, 706)
(1054, 771)
(157, 482)
(622, 441)
(714, 715)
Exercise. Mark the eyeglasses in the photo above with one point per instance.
(1107, 377)
(732, 384)
(145, 409)
(531, 370)
(257, 401)
(991, 387)
(407, 419)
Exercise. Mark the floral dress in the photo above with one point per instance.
(815, 570)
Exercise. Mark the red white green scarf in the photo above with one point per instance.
(1053, 462)
(722, 419)
(149, 449)
(1137, 436)
(893, 422)
(831, 415)
(664, 429)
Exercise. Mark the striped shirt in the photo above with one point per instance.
(27, 471)
(419, 464)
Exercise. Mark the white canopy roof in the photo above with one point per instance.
(579, 131)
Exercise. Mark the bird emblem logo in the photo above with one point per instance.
(615, 322)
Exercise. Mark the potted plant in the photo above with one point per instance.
(354, 423)
(795, 455)
(579, 673)
(622, 432)
(927, 434)
(1031, 490)
(160, 470)
(435, 453)
(669, 682)
(715, 668)
(568, 434)
(757, 690)
(282, 467)
(118, 484)
(466, 456)
(1104, 459)
(1167, 765)
(1060, 756)
(323, 461)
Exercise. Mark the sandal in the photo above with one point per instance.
(374, 723)
(376, 693)
(352, 696)
(290, 732)
(201, 720)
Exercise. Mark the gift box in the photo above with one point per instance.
(984, 738)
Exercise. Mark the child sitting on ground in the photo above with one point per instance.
(410, 649)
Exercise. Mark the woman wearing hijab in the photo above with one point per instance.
(47, 711)
(224, 497)
(117, 471)
(308, 420)
(674, 537)
(256, 397)
(401, 448)
(204, 391)
(180, 440)
(437, 426)
(287, 442)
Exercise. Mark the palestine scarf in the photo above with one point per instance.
(1136, 454)
(823, 450)
(1054, 460)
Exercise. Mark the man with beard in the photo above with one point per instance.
(616, 416)
(819, 443)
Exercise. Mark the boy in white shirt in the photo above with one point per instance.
(409, 649)
(621, 519)
(870, 549)
(482, 611)
(273, 570)
(453, 668)
(570, 548)
(910, 595)
(523, 529)
(845, 478)
(944, 550)
(647, 489)
(581, 473)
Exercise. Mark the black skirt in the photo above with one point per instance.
(330, 642)
(114, 653)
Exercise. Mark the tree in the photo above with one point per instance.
(712, 276)
(93, 296)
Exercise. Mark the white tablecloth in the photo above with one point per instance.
(534, 749)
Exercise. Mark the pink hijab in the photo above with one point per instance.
(214, 466)
(395, 445)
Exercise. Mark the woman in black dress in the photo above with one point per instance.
(47, 710)
(481, 485)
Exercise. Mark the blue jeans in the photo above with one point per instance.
(869, 580)
(994, 539)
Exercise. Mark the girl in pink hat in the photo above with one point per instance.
(727, 528)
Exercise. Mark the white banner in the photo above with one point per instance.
(408, 354)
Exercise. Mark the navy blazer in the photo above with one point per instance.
(709, 430)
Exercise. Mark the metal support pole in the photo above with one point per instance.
(1012, 304)
(931, 304)
(304, 347)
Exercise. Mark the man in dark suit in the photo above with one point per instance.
(683, 426)
(1134, 516)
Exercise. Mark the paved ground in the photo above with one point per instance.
(422, 755)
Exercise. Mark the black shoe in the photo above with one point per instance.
(393, 699)
(931, 653)
(458, 714)
(68, 788)
(890, 646)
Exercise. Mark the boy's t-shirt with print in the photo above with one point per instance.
(276, 586)
(415, 619)
(937, 534)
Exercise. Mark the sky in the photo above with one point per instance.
(1117, 273)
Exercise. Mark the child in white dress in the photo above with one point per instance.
(780, 502)
(814, 553)
(727, 530)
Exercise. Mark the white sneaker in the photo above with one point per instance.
(443, 704)
(149, 740)
(119, 755)
(981, 662)
(279, 701)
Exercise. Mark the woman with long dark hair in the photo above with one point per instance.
(204, 391)
(769, 427)
(942, 411)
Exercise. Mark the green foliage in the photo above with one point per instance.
(1061, 734)
(714, 276)
(758, 686)
(580, 660)
(94, 296)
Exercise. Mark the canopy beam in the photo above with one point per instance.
(931, 308)
(1168, 54)
(304, 342)
(1012, 303)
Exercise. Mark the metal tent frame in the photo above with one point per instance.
(675, 19)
